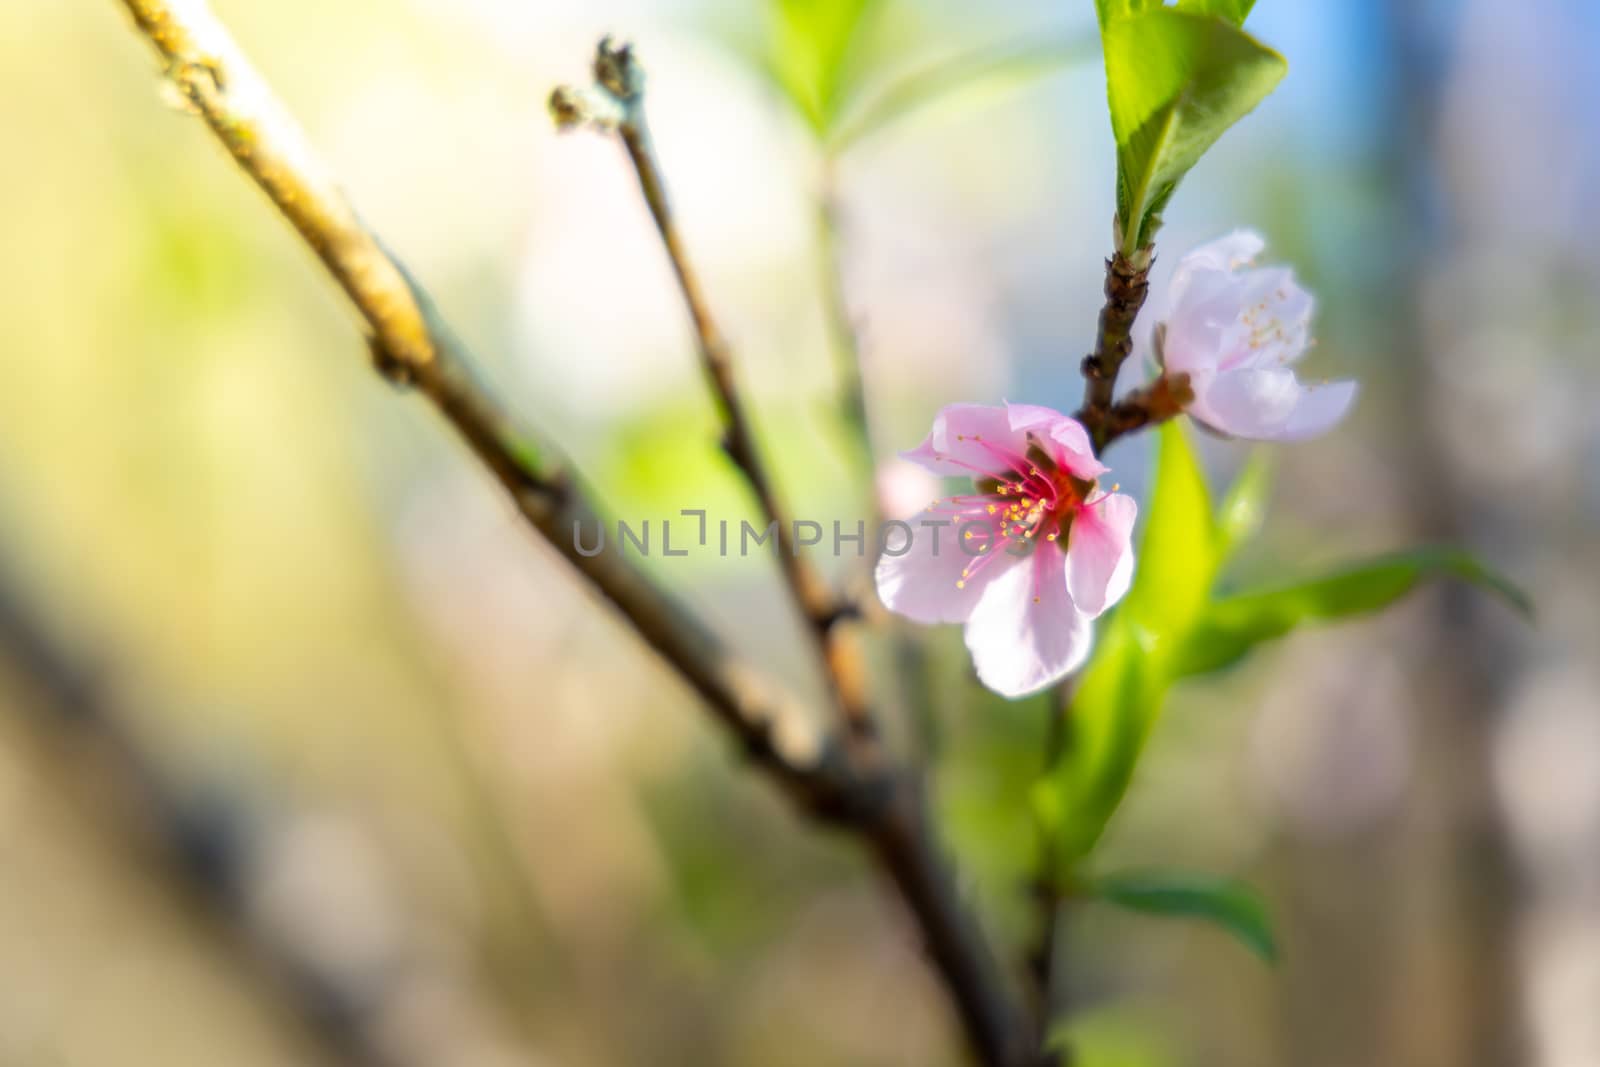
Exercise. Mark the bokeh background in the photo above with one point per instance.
(330, 761)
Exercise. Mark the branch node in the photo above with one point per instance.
(617, 71)
(840, 610)
(398, 372)
(612, 102)
(572, 107)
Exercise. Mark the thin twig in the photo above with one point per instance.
(900, 830)
(1163, 398)
(844, 339)
(1045, 960)
(411, 344)
(1127, 285)
(619, 87)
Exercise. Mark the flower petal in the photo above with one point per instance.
(1100, 553)
(1075, 453)
(922, 584)
(1225, 254)
(1249, 402)
(1273, 321)
(1035, 417)
(1319, 410)
(1072, 448)
(1200, 322)
(973, 441)
(1025, 632)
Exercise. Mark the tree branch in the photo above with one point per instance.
(616, 101)
(1127, 285)
(411, 344)
(1163, 398)
(217, 843)
(1045, 964)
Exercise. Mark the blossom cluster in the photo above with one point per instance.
(1233, 333)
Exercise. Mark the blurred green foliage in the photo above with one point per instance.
(1174, 624)
(1234, 624)
(1106, 1037)
(1121, 691)
(1231, 904)
(812, 51)
(840, 64)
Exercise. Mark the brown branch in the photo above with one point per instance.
(616, 101)
(1127, 285)
(212, 843)
(1044, 963)
(1126, 288)
(899, 829)
(1161, 399)
(411, 344)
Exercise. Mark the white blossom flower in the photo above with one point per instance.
(1237, 331)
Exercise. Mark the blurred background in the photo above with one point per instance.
(310, 753)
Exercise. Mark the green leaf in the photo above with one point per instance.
(1120, 692)
(1178, 555)
(1244, 509)
(1233, 625)
(1109, 1035)
(1228, 903)
(1012, 61)
(1110, 9)
(1235, 11)
(1176, 80)
(810, 52)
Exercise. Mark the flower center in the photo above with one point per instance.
(1035, 498)
(1040, 499)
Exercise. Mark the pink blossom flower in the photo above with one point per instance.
(1237, 334)
(1028, 558)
